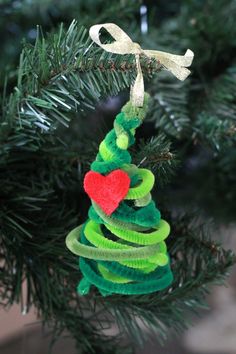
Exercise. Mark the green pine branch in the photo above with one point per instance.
(58, 76)
(18, 20)
(216, 123)
(169, 108)
(156, 154)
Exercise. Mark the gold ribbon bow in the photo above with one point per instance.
(123, 44)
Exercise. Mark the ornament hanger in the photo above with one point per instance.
(123, 44)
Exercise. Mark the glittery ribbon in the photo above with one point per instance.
(123, 44)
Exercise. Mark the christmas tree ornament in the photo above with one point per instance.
(122, 245)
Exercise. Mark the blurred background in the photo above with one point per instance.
(197, 117)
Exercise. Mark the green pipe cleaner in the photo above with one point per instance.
(125, 252)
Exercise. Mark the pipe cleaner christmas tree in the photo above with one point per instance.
(122, 245)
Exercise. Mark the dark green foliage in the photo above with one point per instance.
(156, 155)
(169, 110)
(216, 122)
(48, 139)
(209, 28)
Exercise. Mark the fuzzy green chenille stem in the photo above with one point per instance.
(124, 252)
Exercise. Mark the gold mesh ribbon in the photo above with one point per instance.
(123, 44)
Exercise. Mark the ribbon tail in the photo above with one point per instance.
(137, 89)
(188, 57)
(176, 64)
(180, 73)
(181, 60)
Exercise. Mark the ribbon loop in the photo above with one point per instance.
(123, 44)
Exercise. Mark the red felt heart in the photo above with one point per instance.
(107, 191)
